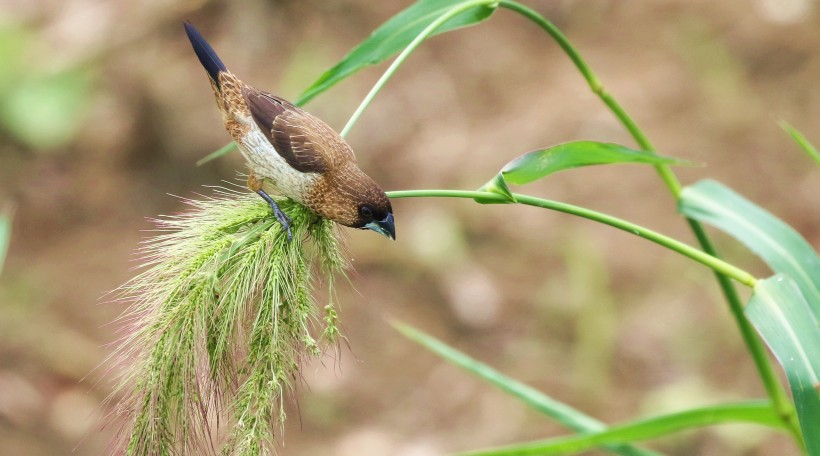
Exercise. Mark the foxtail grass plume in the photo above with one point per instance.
(220, 321)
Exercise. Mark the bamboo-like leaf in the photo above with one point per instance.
(757, 412)
(393, 36)
(386, 41)
(540, 163)
(783, 317)
(533, 398)
(5, 236)
(217, 153)
(801, 141)
(783, 249)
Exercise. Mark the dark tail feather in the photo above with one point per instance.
(207, 55)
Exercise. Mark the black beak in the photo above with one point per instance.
(385, 227)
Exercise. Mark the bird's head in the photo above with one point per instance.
(351, 198)
(377, 217)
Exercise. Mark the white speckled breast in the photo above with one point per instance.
(266, 163)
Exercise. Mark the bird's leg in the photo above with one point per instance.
(255, 184)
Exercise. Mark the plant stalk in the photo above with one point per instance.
(774, 388)
(429, 30)
(714, 263)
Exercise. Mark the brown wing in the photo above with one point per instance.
(304, 141)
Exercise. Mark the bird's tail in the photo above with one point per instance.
(207, 56)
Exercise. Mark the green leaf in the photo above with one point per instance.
(533, 398)
(386, 41)
(217, 153)
(801, 141)
(783, 249)
(5, 236)
(757, 412)
(394, 35)
(783, 317)
(540, 163)
(499, 187)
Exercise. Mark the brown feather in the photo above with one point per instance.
(231, 103)
(340, 193)
(304, 141)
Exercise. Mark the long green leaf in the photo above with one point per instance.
(783, 317)
(801, 141)
(386, 41)
(757, 412)
(540, 163)
(5, 236)
(561, 412)
(217, 153)
(393, 36)
(783, 249)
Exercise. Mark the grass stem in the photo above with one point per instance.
(764, 366)
(426, 33)
(716, 264)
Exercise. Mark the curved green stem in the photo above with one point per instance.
(429, 30)
(596, 86)
(710, 261)
(753, 343)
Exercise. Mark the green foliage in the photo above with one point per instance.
(783, 249)
(541, 163)
(755, 412)
(560, 412)
(801, 141)
(538, 164)
(396, 34)
(221, 320)
(535, 165)
(496, 186)
(495, 197)
(592, 433)
(783, 317)
(787, 319)
(217, 153)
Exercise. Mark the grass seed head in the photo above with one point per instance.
(220, 320)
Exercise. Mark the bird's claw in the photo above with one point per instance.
(283, 219)
(281, 216)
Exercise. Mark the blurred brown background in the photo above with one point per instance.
(104, 110)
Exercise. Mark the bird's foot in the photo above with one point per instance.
(283, 219)
(281, 216)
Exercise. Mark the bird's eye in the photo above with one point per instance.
(366, 212)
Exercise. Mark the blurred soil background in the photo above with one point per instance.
(104, 111)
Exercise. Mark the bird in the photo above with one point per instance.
(294, 152)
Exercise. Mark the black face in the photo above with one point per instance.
(378, 219)
(368, 213)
